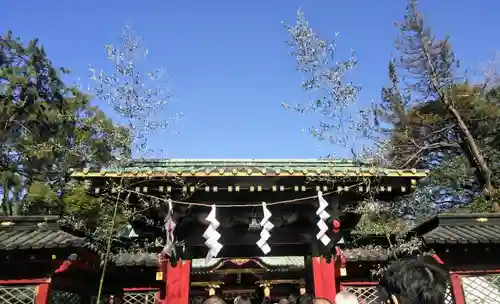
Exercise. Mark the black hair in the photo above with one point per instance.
(417, 280)
(305, 299)
(309, 299)
(324, 300)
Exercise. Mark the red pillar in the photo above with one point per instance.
(186, 281)
(456, 288)
(456, 284)
(317, 276)
(178, 282)
(42, 293)
(329, 284)
(162, 263)
(324, 278)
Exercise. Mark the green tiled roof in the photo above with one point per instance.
(247, 167)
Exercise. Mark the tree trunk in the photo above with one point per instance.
(5, 199)
(469, 146)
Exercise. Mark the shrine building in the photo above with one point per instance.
(232, 192)
(44, 262)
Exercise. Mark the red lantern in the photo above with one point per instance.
(336, 225)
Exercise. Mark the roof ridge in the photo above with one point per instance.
(265, 160)
(246, 162)
(450, 215)
(29, 218)
(30, 221)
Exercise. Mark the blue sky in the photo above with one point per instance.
(228, 61)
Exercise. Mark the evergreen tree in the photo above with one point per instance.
(436, 120)
(48, 128)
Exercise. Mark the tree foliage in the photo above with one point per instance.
(141, 101)
(326, 81)
(436, 120)
(345, 122)
(48, 128)
(430, 117)
(491, 71)
(140, 97)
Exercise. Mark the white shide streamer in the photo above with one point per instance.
(266, 228)
(323, 216)
(131, 232)
(212, 236)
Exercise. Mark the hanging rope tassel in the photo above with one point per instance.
(169, 231)
(212, 236)
(266, 228)
(323, 216)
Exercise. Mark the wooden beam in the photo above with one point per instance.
(264, 275)
(251, 251)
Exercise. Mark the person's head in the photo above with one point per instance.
(214, 300)
(283, 301)
(345, 297)
(242, 300)
(414, 281)
(305, 299)
(321, 301)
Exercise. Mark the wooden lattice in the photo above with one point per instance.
(104, 300)
(484, 289)
(139, 298)
(365, 294)
(17, 294)
(449, 297)
(64, 297)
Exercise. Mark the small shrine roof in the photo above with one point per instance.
(453, 228)
(135, 259)
(278, 261)
(296, 261)
(35, 232)
(247, 167)
(150, 259)
(365, 254)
